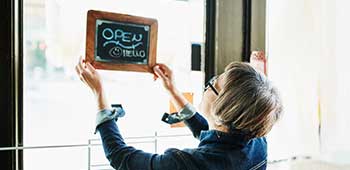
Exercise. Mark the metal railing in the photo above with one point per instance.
(92, 143)
(143, 140)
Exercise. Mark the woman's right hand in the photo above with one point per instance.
(163, 72)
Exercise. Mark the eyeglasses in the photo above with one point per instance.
(211, 85)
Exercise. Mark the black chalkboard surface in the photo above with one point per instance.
(121, 42)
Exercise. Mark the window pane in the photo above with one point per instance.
(56, 159)
(59, 109)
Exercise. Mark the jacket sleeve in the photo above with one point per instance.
(194, 121)
(196, 124)
(123, 157)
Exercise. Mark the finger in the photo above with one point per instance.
(81, 71)
(86, 73)
(253, 53)
(81, 60)
(88, 77)
(159, 72)
(80, 65)
(86, 67)
(253, 57)
(261, 54)
(165, 68)
(90, 67)
(82, 79)
(155, 77)
(77, 70)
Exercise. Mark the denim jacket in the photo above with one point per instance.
(216, 151)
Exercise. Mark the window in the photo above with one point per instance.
(59, 111)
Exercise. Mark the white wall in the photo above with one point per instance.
(308, 60)
(335, 134)
(293, 49)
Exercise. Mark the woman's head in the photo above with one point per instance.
(247, 101)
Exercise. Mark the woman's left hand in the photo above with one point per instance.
(89, 76)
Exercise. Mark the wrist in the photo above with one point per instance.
(174, 91)
(178, 99)
(101, 100)
(98, 91)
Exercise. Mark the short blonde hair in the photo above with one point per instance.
(247, 102)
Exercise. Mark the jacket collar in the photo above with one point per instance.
(215, 138)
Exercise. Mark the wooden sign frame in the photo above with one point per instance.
(93, 16)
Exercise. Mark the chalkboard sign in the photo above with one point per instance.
(121, 42)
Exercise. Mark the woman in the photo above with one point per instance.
(240, 107)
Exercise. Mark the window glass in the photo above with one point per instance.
(60, 110)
